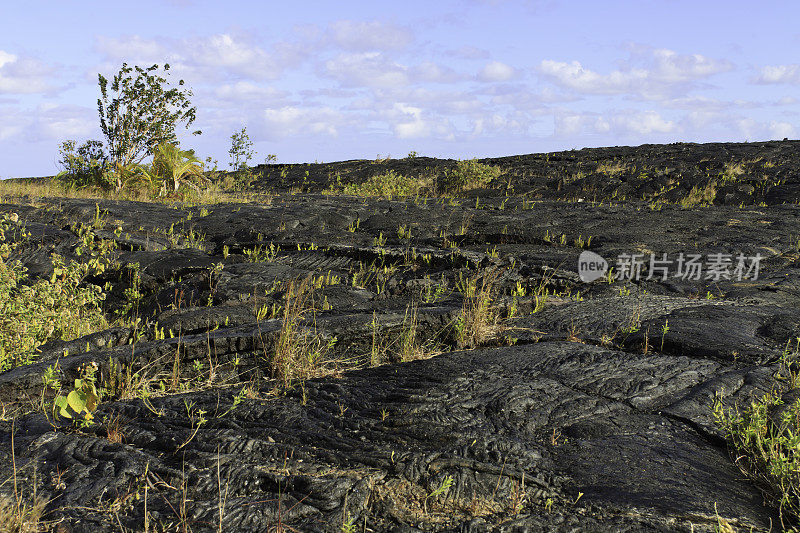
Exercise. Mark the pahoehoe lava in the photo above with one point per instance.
(587, 415)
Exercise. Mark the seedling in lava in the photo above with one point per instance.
(664, 331)
(83, 399)
(443, 488)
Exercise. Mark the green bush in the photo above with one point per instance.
(85, 165)
(62, 307)
(764, 438)
(389, 185)
(467, 174)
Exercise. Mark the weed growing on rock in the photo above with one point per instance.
(20, 516)
(479, 319)
(262, 253)
(700, 196)
(765, 437)
(82, 400)
(299, 351)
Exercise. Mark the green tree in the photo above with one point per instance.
(241, 150)
(138, 111)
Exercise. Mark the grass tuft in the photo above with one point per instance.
(480, 318)
(19, 516)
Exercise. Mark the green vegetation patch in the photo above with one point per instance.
(764, 438)
(389, 185)
(467, 174)
(61, 307)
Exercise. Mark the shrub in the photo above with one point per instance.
(60, 307)
(80, 403)
(131, 177)
(467, 174)
(764, 438)
(390, 185)
(84, 166)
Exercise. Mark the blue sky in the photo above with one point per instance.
(325, 81)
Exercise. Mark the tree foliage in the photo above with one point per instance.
(138, 111)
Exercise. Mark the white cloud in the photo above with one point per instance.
(445, 102)
(468, 52)
(701, 103)
(368, 69)
(778, 74)
(245, 90)
(524, 98)
(12, 123)
(411, 123)
(360, 36)
(781, 130)
(6, 58)
(24, 75)
(205, 58)
(377, 70)
(624, 123)
(48, 122)
(61, 122)
(290, 121)
(496, 123)
(133, 49)
(574, 76)
(665, 73)
(671, 67)
(434, 73)
(496, 71)
(643, 123)
(574, 124)
(787, 100)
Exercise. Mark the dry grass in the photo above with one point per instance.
(703, 196)
(611, 168)
(22, 189)
(20, 517)
(480, 319)
(300, 352)
(30, 191)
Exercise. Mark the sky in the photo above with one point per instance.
(336, 80)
